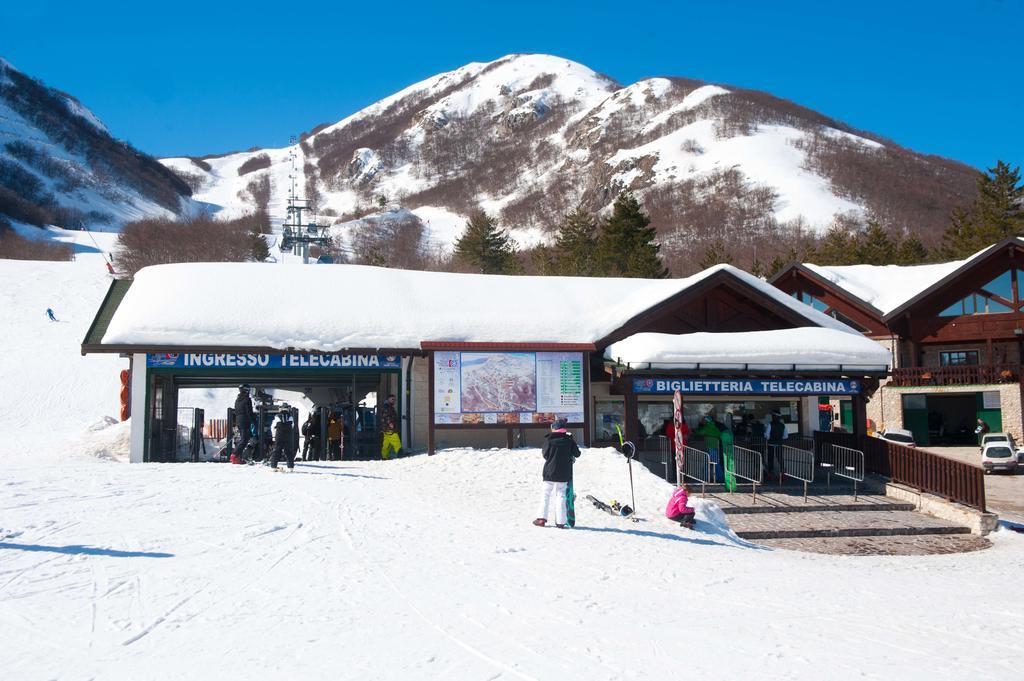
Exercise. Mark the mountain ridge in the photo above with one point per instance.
(528, 137)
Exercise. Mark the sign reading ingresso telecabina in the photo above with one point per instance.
(295, 360)
(733, 386)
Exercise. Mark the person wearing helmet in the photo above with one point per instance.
(243, 422)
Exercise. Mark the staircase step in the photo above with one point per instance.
(815, 524)
(815, 508)
(915, 545)
(775, 502)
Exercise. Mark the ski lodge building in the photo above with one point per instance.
(482, 360)
(955, 331)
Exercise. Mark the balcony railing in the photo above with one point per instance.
(973, 374)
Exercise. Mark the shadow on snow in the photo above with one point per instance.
(80, 550)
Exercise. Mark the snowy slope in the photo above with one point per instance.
(529, 136)
(55, 152)
(49, 391)
(429, 568)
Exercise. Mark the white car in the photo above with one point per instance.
(1001, 438)
(900, 436)
(999, 456)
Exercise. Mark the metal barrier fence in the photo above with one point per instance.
(848, 463)
(748, 465)
(697, 465)
(954, 480)
(796, 463)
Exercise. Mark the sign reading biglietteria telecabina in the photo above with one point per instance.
(299, 360)
(733, 386)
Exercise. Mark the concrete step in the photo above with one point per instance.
(774, 502)
(912, 545)
(817, 524)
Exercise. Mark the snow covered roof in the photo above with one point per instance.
(344, 307)
(888, 288)
(885, 287)
(809, 348)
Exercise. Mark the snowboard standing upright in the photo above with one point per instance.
(570, 503)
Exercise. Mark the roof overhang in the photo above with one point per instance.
(1012, 243)
(835, 289)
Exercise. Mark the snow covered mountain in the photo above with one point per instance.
(60, 165)
(529, 137)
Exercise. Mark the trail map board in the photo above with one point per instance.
(507, 388)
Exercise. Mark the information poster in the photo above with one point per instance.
(507, 388)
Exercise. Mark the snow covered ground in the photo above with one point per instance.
(420, 568)
(429, 568)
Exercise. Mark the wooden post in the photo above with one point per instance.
(860, 416)
(430, 404)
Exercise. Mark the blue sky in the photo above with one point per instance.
(941, 77)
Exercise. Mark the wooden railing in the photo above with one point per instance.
(953, 480)
(970, 374)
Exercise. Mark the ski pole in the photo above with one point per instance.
(629, 463)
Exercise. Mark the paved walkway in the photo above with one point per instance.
(1004, 493)
(831, 520)
(921, 545)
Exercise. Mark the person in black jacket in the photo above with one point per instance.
(284, 443)
(243, 421)
(560, 451)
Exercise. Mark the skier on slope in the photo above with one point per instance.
(243, 422)
(50, 315)
(560, 451)
(283, 442)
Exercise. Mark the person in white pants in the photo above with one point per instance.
(556, 490)
(560, 451)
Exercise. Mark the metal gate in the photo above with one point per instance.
(748, 465)
(697, 465)
(796, 463)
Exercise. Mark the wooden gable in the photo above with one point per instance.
(720, 303)
(798, 279)
(921, 319)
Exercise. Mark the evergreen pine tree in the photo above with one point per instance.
(838, 247)
(627, 246)
(758, 269)
(258, 249)
(997, 212)
(961, 238)
(875, 246)
(576, 245)
(911, 251)
(485, 248)
(999, 209)
(715, 254)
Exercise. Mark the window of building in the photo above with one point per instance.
(1001, 286)
(808, 299)
(958, 358)
(975, 303)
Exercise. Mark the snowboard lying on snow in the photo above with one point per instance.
(614, 508)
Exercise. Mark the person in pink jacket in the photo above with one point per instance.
(679, 510)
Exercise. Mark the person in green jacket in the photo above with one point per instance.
(712, 437)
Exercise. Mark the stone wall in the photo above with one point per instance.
(886, 406)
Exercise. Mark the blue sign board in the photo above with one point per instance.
(252, 361)
(746, 386)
